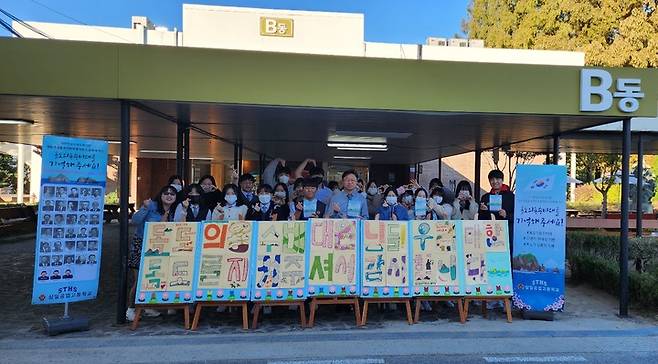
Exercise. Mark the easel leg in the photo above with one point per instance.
(138, 315)
(311, 319)
(302, 314)
(254, 322)
(466, 303)
(245, 316)
(460, 308)
(484, 308)
(357, 311)
(407, 303)
(417, 309)
(186, 314)
(197, 315)
(364, 318)
(508, 309)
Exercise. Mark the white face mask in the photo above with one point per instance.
(177, 187)
(284, 179)
(408, 199)
(391, 200)
(265, 199)
(372, 190)
(438, 199)
(231, 199)
(280, 194)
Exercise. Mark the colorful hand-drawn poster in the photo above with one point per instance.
(70, 226)
(437, 264)
(167, 265)
(539, 234)
(385, 256)
(280, 261)
(487, 269)
(331, 261)
(224, 261)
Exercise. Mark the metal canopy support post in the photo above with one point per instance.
(623, 246)
(187, 166)
(440, 172)
(261, 167)
(638, 196)
(235, 158)
(556, 149)
(478, 166)
(180, 146)
(240, 159)
(124, 193)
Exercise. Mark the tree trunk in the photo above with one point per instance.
(604, 205)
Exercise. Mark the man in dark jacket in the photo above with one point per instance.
(499, 203)
(246, 195)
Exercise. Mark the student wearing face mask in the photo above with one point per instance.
(281, 202)
(420, 207)
(374, 198)
(263, 210)
(407, 201)
(440, 206)
(246, 195)
(210, 194)
(390, 208)
(349, 203)
(176, 181)
(316, 173)
(297, 193)
(277, 172)
(230, 208)
(192, 208)
(434, 183)
(465, 206)
(309, 207)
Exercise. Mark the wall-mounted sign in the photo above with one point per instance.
(276, 27)
(595, 94)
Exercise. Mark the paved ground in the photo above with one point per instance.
(588, 330)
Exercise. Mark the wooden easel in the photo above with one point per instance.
(349, 300)
(242, 304)
(298, 303)
(506, 299)
(405, 301)
(459, 300)
(182, 306)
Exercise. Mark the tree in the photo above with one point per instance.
(613, 33)
(9, 173)
(603, 166)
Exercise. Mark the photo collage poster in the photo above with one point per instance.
(486, 255)
(385, 259)
(70, 220)
(331, 261)
(436, 260)
(224, 261)
(167, 263)
(280, 261)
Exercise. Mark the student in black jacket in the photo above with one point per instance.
(246, 195)
(309, 207)
(490, 207)
(265, 209)
(193, 207)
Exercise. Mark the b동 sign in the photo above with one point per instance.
(276, 27)
(597, 83)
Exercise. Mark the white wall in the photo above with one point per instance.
(390, 50)
(500, 55)
(239, 28)
(98, 34)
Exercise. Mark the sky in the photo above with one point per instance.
(390, 21)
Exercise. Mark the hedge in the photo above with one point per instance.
(594, 258)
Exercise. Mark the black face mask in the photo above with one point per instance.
(195, 200)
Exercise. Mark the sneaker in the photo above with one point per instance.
(267, 310)
(130, 314)
(425, 306)
(151, 313)
(171, 312)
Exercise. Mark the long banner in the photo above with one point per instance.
(293, 260)
(70, 226)
(539, 237)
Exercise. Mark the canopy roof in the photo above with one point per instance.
(290, 105)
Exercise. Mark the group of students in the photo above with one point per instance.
(286, 195)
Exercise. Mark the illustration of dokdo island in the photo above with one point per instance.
(326, 261)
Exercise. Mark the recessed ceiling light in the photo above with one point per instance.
(16, 122)
(356, 145)
(351, 157)
(157, 151)
(119, 142)
(364, 149)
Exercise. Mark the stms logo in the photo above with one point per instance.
(67, 289)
